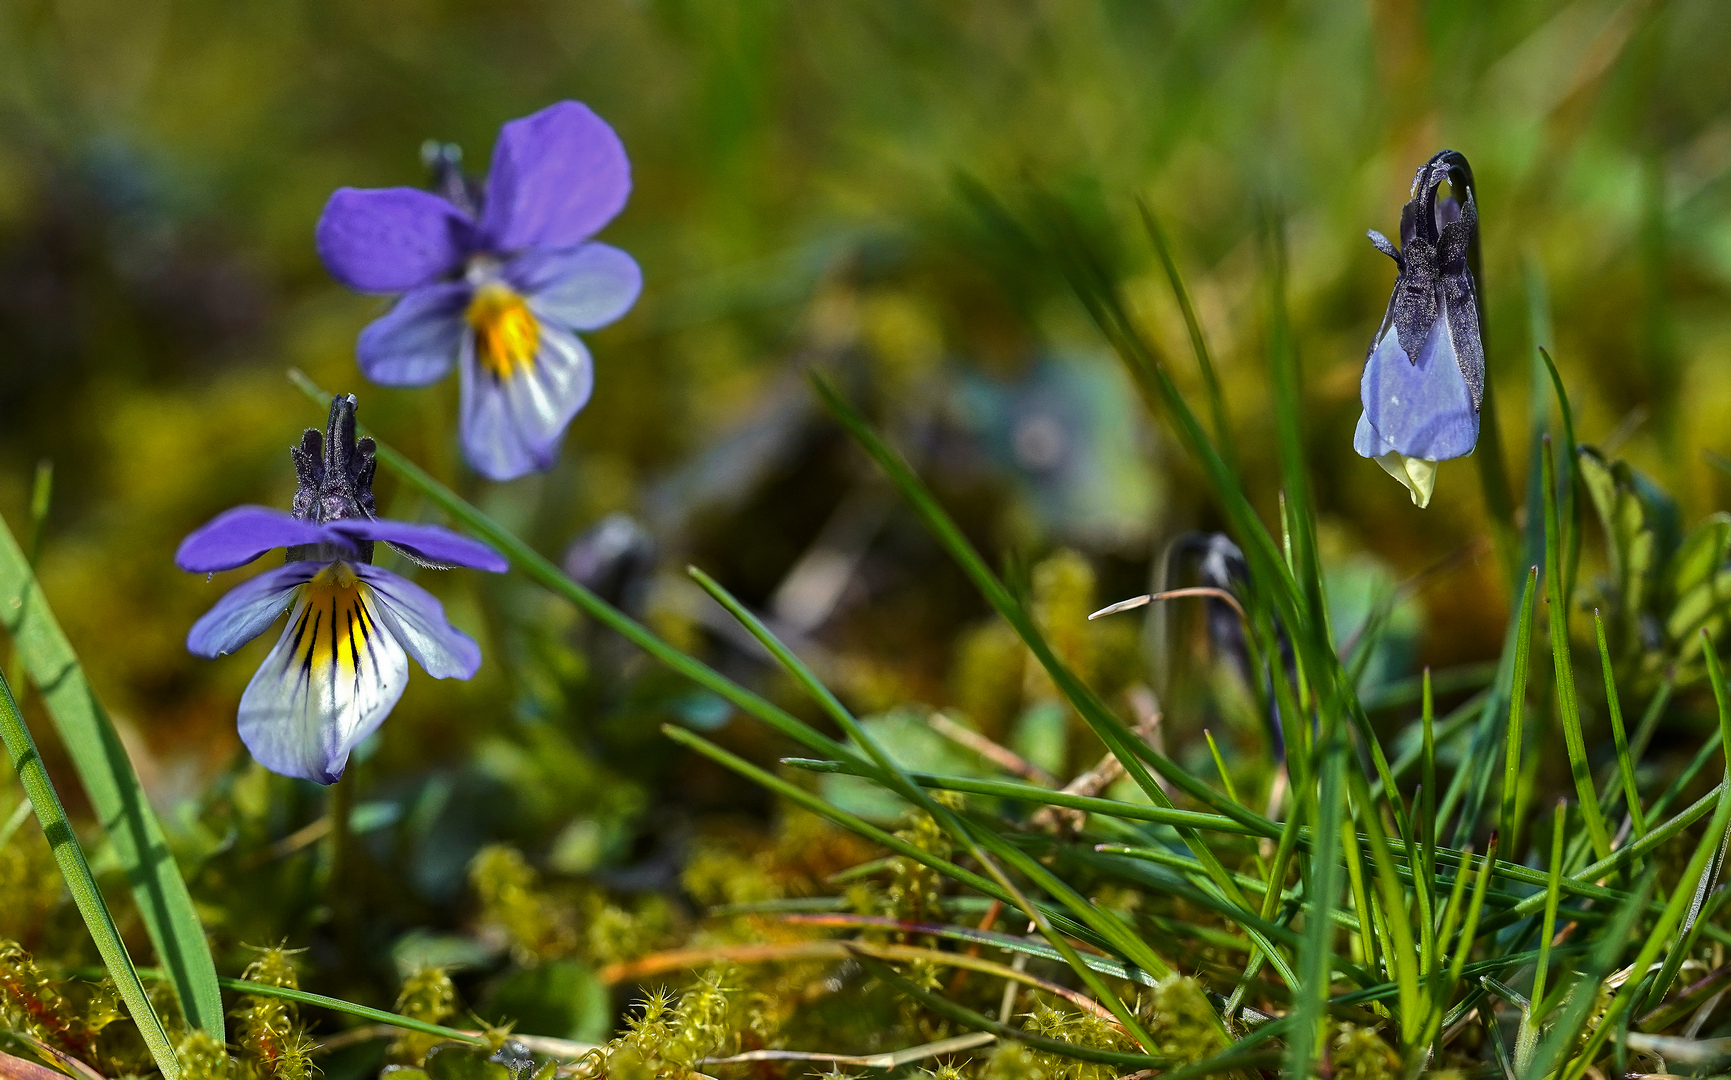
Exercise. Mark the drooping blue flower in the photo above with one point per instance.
(342, 661)
(497, 281)
(1424, 377)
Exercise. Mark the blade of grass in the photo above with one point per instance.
(980, 1022)
(27, 763)
(112, 785)
(1134, 948)
(1583, 995)
(1625, 764)
(1130, 750)
(1198, 342)
(1403, 956)
(1681, 949)
(1527, 1036)
(1010, 789)
(1567, 706)
(1569, 508)
(1322, 893)
(1509, 825)
(1682, 898)
(854, 824)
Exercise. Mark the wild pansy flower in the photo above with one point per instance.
(496, 280)
(340, 665)
(1424, 380)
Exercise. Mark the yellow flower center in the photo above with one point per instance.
(506, 333)
(334, 622)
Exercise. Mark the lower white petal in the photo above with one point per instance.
(331, 680)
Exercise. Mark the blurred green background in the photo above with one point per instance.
(797, 205)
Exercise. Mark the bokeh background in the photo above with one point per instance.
(798, 205)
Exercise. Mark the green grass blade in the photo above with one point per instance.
(1568, 707)
(1403, 956)
(1198, 341)
(1625, 763)
(111, 784)
(1568, 488)
(1030, 793)
(1509, 826)
(1322, 894)
(1527, 1037)
(27, 763)
(1130, 750)
(1606, 951)
(1683, 899)
(1135, 949)
(980, 1022)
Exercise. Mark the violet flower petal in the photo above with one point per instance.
(514, 426)
(417, 621)
(558, 176)
(1423, 409)
(331, 680)
(246, 610)
(416, 342)
(387, 240)
(427, 542)
(238, 536)
(581, 288)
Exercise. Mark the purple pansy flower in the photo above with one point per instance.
(341, 663)
(1424, 378)
(497, 281)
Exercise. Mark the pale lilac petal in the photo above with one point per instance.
(416, 342)
(236, 537)
(558, 176)
(388, 240)
(582, 288)
(430, 543)
(1423, 409)
(246, 610)
(514, 426)
(331, 680)
(417, 620)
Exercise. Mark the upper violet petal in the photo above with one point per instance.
(417, 341)
(581, 288)
(387, 240)
(429, 543)
(246, 610)
(416, 619)
(236, 537)
(558, 176)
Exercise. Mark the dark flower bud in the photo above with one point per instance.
(1424, 376)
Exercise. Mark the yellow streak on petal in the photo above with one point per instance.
(336, 628)
(506, 334)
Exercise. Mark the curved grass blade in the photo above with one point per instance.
(27, 762)
(1567, 703)
(1625, 764)
(979, 1022)
(1517, 706)
(1198, 341)
(112, 786)
(1133, 947)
